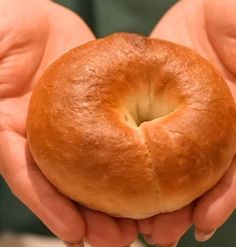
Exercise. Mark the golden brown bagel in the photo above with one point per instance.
(132, 126)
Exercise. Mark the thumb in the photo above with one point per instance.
(30, 186)
(215, 207)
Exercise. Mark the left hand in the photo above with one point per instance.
(200, 25)
(33, 33)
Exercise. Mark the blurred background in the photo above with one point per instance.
(17, 223)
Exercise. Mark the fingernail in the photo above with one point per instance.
(148, 238)
(81, 244)
(169, 245)
(202, 236)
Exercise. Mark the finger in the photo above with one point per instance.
(128, 230)
(168, 228)
(75, 28)
(221, 33)
(165, 29)
(30, 186)
(185, 14)
(101, 229)
(145, 225)
(215, 207)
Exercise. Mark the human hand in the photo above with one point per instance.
(33, 33)
(209, 28)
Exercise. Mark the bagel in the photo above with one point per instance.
(132, 126)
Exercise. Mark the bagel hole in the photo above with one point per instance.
(155, 113)
(145, 110)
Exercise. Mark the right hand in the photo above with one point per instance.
(200, 26)
(33, 33)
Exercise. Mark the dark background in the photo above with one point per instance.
(105, 17)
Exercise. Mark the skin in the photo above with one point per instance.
(28, 46)
(208, 27)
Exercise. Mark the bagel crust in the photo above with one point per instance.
(132, 126)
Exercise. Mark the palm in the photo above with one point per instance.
(198, 25)
(27, 48)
